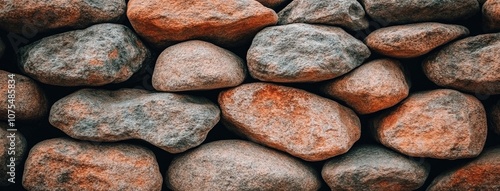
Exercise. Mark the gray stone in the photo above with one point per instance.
(369, 167)
(13, 145)
(172, 122)
(66, 164)
(239, 165)
(491, 15)
(345, 13)
(304, 53)
(98, 55)
(471, 64)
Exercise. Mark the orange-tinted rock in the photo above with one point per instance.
(29, 102)
(197, 65)
(373, 86)
(66, 164)
(27, 17)
(442, 124)
(239, 165)
(471, 64)
(412, 40)
(291, 120)
(225, 23)
(495, 117)
(12, 151)
(491, 15)
(482, 173)
(273, 3)
(369, 167)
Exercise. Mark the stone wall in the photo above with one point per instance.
(250, 95)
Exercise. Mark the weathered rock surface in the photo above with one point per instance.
(442, 124)
(273, 3)
(400, 12)
(291, 120)
(29, 101)
(373, 86)
(172, 122)
(480, 174)
(471, 64)
(98, 55)
(197, 65)
(304, 53)
(65, 164)
(226, 23)
(346, 13)
(239, 165)
(495, 117)
(413, 40)
(12, 150)
(491, 15)
(28, 17)
(370, 167)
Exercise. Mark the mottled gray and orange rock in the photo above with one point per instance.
(29, 17)
(292, 120)
(239, 165)
(413, 40)
(172, 122)
(66, 164)
(345, 13)
(226, 23)
(29, 101)
(373, 86)
(12, 151)
(491, 15)
(304, 53)
(495, 117)
(98, 55)
(442, 124)
(370, 167)
(471, 64)
(480, 174)
(401, 12)
(273, 3)
(197, 65)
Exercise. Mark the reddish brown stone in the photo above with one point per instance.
(495, 117)
(442, 124)
(373, 86)
(13, 145)
(225, 23)
(291, 120)
(273, 3)
(491, 15)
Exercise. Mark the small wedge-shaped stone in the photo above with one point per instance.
(172, 122)
(412, 40)
(223, 22)
(471, 64)
(304, 53)
(273, 3)
(369, 167)
(98, 55)
(442, 124)
(480, 174)
(292, 120)
(412, 11)
(491, 15)
(239, 165)
(66, 164)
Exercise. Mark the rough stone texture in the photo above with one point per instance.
(273, 3)
(239, 165)
(491, 15)
(370, 167)
(495, 117)
(413, 40)
(304, 53)
(65, 164)
(442, 124)
(291, 120)
(400, 12)
(225, 23)
(482, 173)
(29, 103)
(373, 86)
(27, 17)
(471, 64)
(346, 13)
(197, 65)
(11, 146)
(98, 55)
(172, 122)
